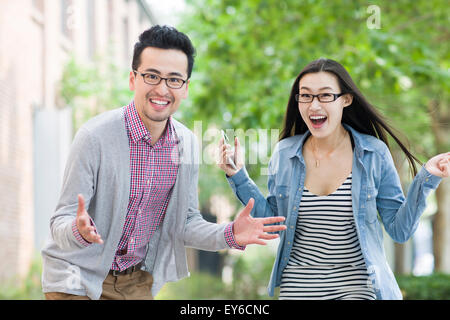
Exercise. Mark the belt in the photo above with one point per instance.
(129, 270)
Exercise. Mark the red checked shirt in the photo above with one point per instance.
(153, 174)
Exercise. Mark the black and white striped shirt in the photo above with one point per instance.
(326, 261)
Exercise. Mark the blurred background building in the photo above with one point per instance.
(37, 37)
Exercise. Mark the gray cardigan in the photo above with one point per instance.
(98, 167)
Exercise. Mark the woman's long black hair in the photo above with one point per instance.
(360, 115)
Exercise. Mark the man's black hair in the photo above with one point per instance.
(164, 37)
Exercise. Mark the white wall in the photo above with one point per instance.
(52, 139)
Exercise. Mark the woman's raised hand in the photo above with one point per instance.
(439, 165)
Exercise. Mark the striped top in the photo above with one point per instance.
(326, 261)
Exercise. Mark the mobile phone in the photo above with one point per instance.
(229, 159)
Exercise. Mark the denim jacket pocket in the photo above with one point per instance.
(282, 196)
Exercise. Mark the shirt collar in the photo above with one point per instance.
(170, 135)
(138, 131)
(361, 142)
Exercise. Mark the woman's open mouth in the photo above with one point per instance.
(317, 121)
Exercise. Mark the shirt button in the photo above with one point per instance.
(292, 227)
(131, 240)
(369, 196)
(295, 207)
(426, 180)
(148, 181)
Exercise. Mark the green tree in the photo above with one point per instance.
(249, 53)
(91, 88)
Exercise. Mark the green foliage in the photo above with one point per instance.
(250, 277)
(433, 287)
(199, 286)
(249, 53)
(251, 274)
(93, 88)
(29, 288)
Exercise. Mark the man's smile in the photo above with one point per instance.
(159, 103)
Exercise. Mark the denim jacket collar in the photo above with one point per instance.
(361, 143)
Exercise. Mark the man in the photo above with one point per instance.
(128, 205)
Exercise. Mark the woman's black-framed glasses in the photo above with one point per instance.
(322, 97)
(154, 79)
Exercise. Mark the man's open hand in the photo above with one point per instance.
(249, 230)
(84, 226)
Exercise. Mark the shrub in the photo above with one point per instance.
(432, 287)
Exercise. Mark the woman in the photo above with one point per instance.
(329, 175)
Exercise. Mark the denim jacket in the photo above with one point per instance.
(377, 198)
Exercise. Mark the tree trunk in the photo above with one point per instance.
(401, 265)
(440, 116)
(441, 228)
(399, 256)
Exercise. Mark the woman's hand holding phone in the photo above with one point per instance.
(230, 162)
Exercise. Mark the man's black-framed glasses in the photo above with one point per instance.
(154, 79)
(322, 97)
